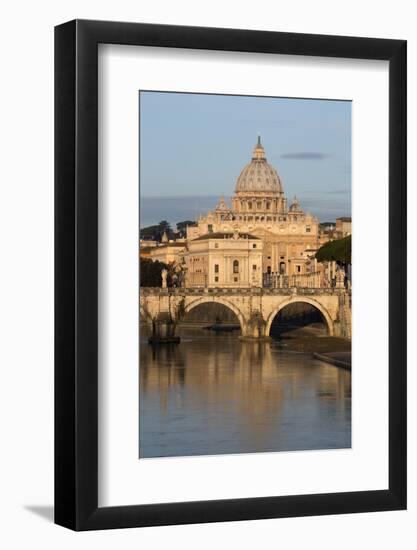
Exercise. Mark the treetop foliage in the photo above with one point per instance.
(156, 232)
(150, 273)
(339, 250)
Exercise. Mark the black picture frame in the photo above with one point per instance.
(76, 273)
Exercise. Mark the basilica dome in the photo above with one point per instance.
(258, 175)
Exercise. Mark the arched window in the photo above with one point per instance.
(249, 205)
(259, 205)
(235, 266)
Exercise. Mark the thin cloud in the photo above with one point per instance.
(305, 155)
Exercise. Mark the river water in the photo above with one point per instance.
(214, 394)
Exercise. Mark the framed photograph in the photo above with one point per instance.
(230, 244)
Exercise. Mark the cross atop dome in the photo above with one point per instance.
(259, 151)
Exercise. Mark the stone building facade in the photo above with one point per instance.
(259, 208)
(343, 227)
(168, 252)
(227, 260)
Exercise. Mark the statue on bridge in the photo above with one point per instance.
(164, 274)
(340, 278)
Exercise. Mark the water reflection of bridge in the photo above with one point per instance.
(254, 308)
(251, 381)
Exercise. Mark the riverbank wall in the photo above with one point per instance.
(342, 360)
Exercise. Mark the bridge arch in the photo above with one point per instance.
(217, 300)
(305, 300)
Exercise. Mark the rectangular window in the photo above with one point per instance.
(210, 228)
(298, 268)
(235, 279)
(216, 268)
(216, 245)
(216, 279)
(308, 229)
(254, 246)
(254, 267)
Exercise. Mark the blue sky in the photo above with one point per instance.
(195, 145)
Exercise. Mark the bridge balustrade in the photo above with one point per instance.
(305, 280)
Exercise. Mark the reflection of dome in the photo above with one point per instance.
(258, 175)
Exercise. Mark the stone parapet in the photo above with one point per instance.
(254, 308)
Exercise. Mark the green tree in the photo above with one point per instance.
(182, 227)
(150, 273)
(164, 227)
(339, 250)
(155, 232)
(149, 233)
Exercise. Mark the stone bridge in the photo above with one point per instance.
(255, 308)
